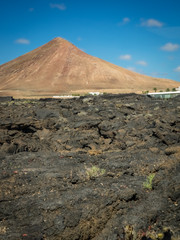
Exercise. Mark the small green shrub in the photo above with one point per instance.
(145, 92)
(95, 171)
(148, 183)
(76, 94)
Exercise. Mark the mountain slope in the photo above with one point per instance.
(59, 67)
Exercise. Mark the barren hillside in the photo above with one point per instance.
(60, 67)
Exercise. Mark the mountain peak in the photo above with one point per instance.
(59, 40)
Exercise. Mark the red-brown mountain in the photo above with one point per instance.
(60, 67)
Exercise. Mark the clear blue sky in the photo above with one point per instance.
(141, 35)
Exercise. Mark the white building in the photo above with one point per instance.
(164, 94)
(94, 93)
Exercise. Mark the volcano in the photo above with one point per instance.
(60, 67)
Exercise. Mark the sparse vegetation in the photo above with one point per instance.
(76, 94)
(95, 171)
(148, 183)
(80, 94)
(173, 89)
(155, 89)
(145, 92)
(167, 90)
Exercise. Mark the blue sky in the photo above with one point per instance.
(141, 35)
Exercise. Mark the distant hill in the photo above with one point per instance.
(60, 67)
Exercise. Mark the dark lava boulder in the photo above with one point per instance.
(102, 168)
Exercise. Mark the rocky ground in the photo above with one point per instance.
(101, 168)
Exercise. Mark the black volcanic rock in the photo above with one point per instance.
(79, 168)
